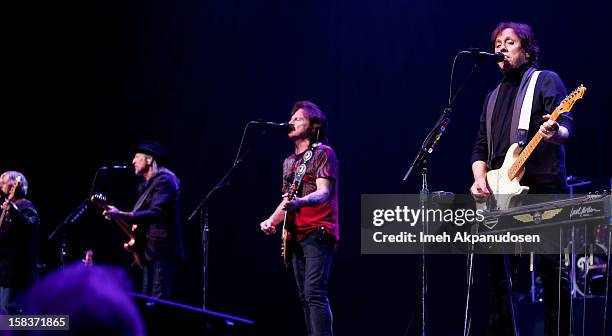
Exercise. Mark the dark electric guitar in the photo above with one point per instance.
(135, 244)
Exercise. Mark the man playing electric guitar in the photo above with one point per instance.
(514, 112)
(19, 229)
(157, 211)
(135, 235)
(313, 230)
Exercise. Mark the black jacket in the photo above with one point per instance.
(18, 245)
(546, 166)
(158, 216)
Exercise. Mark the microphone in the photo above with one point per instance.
(283, 125)
(112, 167)
(483, 55)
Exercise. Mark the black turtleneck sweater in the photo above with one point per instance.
(502, 115)
(547, 163)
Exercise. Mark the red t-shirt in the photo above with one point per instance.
(324, 164)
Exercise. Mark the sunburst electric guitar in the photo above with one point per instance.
(291, 194)
(504, 183)
(288, 220)
(135, 244)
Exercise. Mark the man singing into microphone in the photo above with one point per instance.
(313, 232)
(500, 126)
(156, 213)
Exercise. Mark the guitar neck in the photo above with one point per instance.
(10, 197)
(565, 106)
(125, 226)
(2, 216)
(528, 150)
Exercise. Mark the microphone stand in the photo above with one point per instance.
(420, 163)
(72, 218)
(202, 210)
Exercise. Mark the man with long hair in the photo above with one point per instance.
(313, 230)
(157, 214)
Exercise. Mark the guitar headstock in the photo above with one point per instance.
(13, 190)
(569, 101)
(99, 200)
(293, 190)
(88, 259)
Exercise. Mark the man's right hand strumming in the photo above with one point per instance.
(268, 227)
(479, 189)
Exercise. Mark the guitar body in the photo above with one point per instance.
(284, 239)
(135, 244)
(503, 190)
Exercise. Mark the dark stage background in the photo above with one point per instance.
(88, 80)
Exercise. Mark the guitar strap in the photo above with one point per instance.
(519, 119)
(300, 171)
(525, 115)
(145, 193)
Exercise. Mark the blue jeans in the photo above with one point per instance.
(311, 267)
(158, 279)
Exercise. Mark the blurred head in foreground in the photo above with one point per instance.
(96, 299)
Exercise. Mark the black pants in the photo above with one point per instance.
(158, 279)
(312, 261)
(556, 303)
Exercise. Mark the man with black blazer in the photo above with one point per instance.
(156, 213)
(19, 230)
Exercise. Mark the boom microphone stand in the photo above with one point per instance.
(76, 214)
(420, 163)
(202, 207)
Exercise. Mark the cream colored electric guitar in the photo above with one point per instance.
(504, 183)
